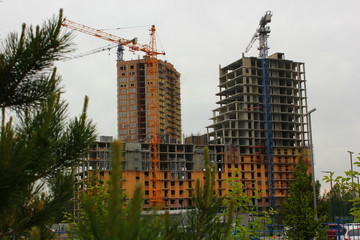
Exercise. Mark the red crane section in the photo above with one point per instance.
(133, 45)
(153, 120)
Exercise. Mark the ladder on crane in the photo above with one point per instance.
(153, 105)
(262, 34)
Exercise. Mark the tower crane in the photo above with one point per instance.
(151, 61)
(262, 33)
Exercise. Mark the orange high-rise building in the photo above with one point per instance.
(133, 102)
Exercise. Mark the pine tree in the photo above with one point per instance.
(38, 145)
(300, 218)
(204, 221)
(111, 218)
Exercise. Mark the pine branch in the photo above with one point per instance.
(26, 61)
(43, 143)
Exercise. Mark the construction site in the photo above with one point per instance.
(260, 129)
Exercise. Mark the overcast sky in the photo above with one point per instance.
(197, 37)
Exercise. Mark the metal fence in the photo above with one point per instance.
(342, 229)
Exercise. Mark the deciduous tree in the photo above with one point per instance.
(349, 189)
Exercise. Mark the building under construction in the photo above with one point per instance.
(235, 138)
(238, 122)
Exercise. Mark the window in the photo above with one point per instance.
(131, 66)
(123, 67)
